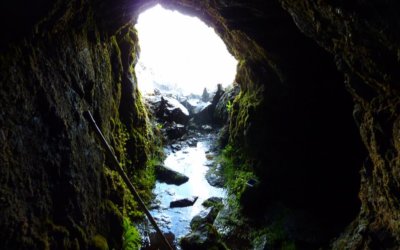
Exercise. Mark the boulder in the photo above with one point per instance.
(215, 177)
(206, 216)
(171, 110)
(200, 105)
(169, 176)
(204, 237)
(213, 202)
(187, 202)
(205, 115)
(174, 131)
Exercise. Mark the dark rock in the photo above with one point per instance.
(205, 97)
(217, 95)
(223, 136)
(204, 237)
(206, 216)
(250, 196)
(169, 176)
(192, 142)
(175, 131)
(206, 128)
(171, 110)
(157, 243)
(176, 147)
(187, 202)
(200, 106)
(204, 116)
(221, 108)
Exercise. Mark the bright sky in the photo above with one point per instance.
(182, 51)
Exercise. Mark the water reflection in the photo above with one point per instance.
(192, 162)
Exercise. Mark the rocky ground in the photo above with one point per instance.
(189, 190)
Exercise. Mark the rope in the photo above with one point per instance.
(121, 172)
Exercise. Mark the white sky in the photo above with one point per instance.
(181, 50)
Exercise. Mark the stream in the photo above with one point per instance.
(192, 161)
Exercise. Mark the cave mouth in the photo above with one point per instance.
(180, 55)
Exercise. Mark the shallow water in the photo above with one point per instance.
(192, 162)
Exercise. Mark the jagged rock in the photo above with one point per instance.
(187, 202)
(205, 96)
(171, 110)
(169, 176)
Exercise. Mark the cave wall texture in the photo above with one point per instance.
(296, 58)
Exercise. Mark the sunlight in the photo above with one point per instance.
(181, 53)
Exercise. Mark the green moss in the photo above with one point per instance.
(131, 238)
(243, 112)
(98, 242)
(236, 169)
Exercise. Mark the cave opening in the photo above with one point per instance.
(180, 55)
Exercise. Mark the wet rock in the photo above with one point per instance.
(214, 176)
(212, 202)
(169, 176)
(206, 128)
(157, 243)
(187, 202)
(171, 110)
(221, 222)
(176, 147)
(206, 216)
(204, 237)
(175, 131)
(192, 142)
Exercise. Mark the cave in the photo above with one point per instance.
(315, 124)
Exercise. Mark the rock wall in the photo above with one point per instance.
(293, 118)
(56, 189)
(363, 37)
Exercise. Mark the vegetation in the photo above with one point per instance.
(236, 169)
(131, 237)
(229, 106)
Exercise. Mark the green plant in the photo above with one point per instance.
(131, 237)
(236, 169)
(229, 106)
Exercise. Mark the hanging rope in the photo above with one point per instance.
(123, 175)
